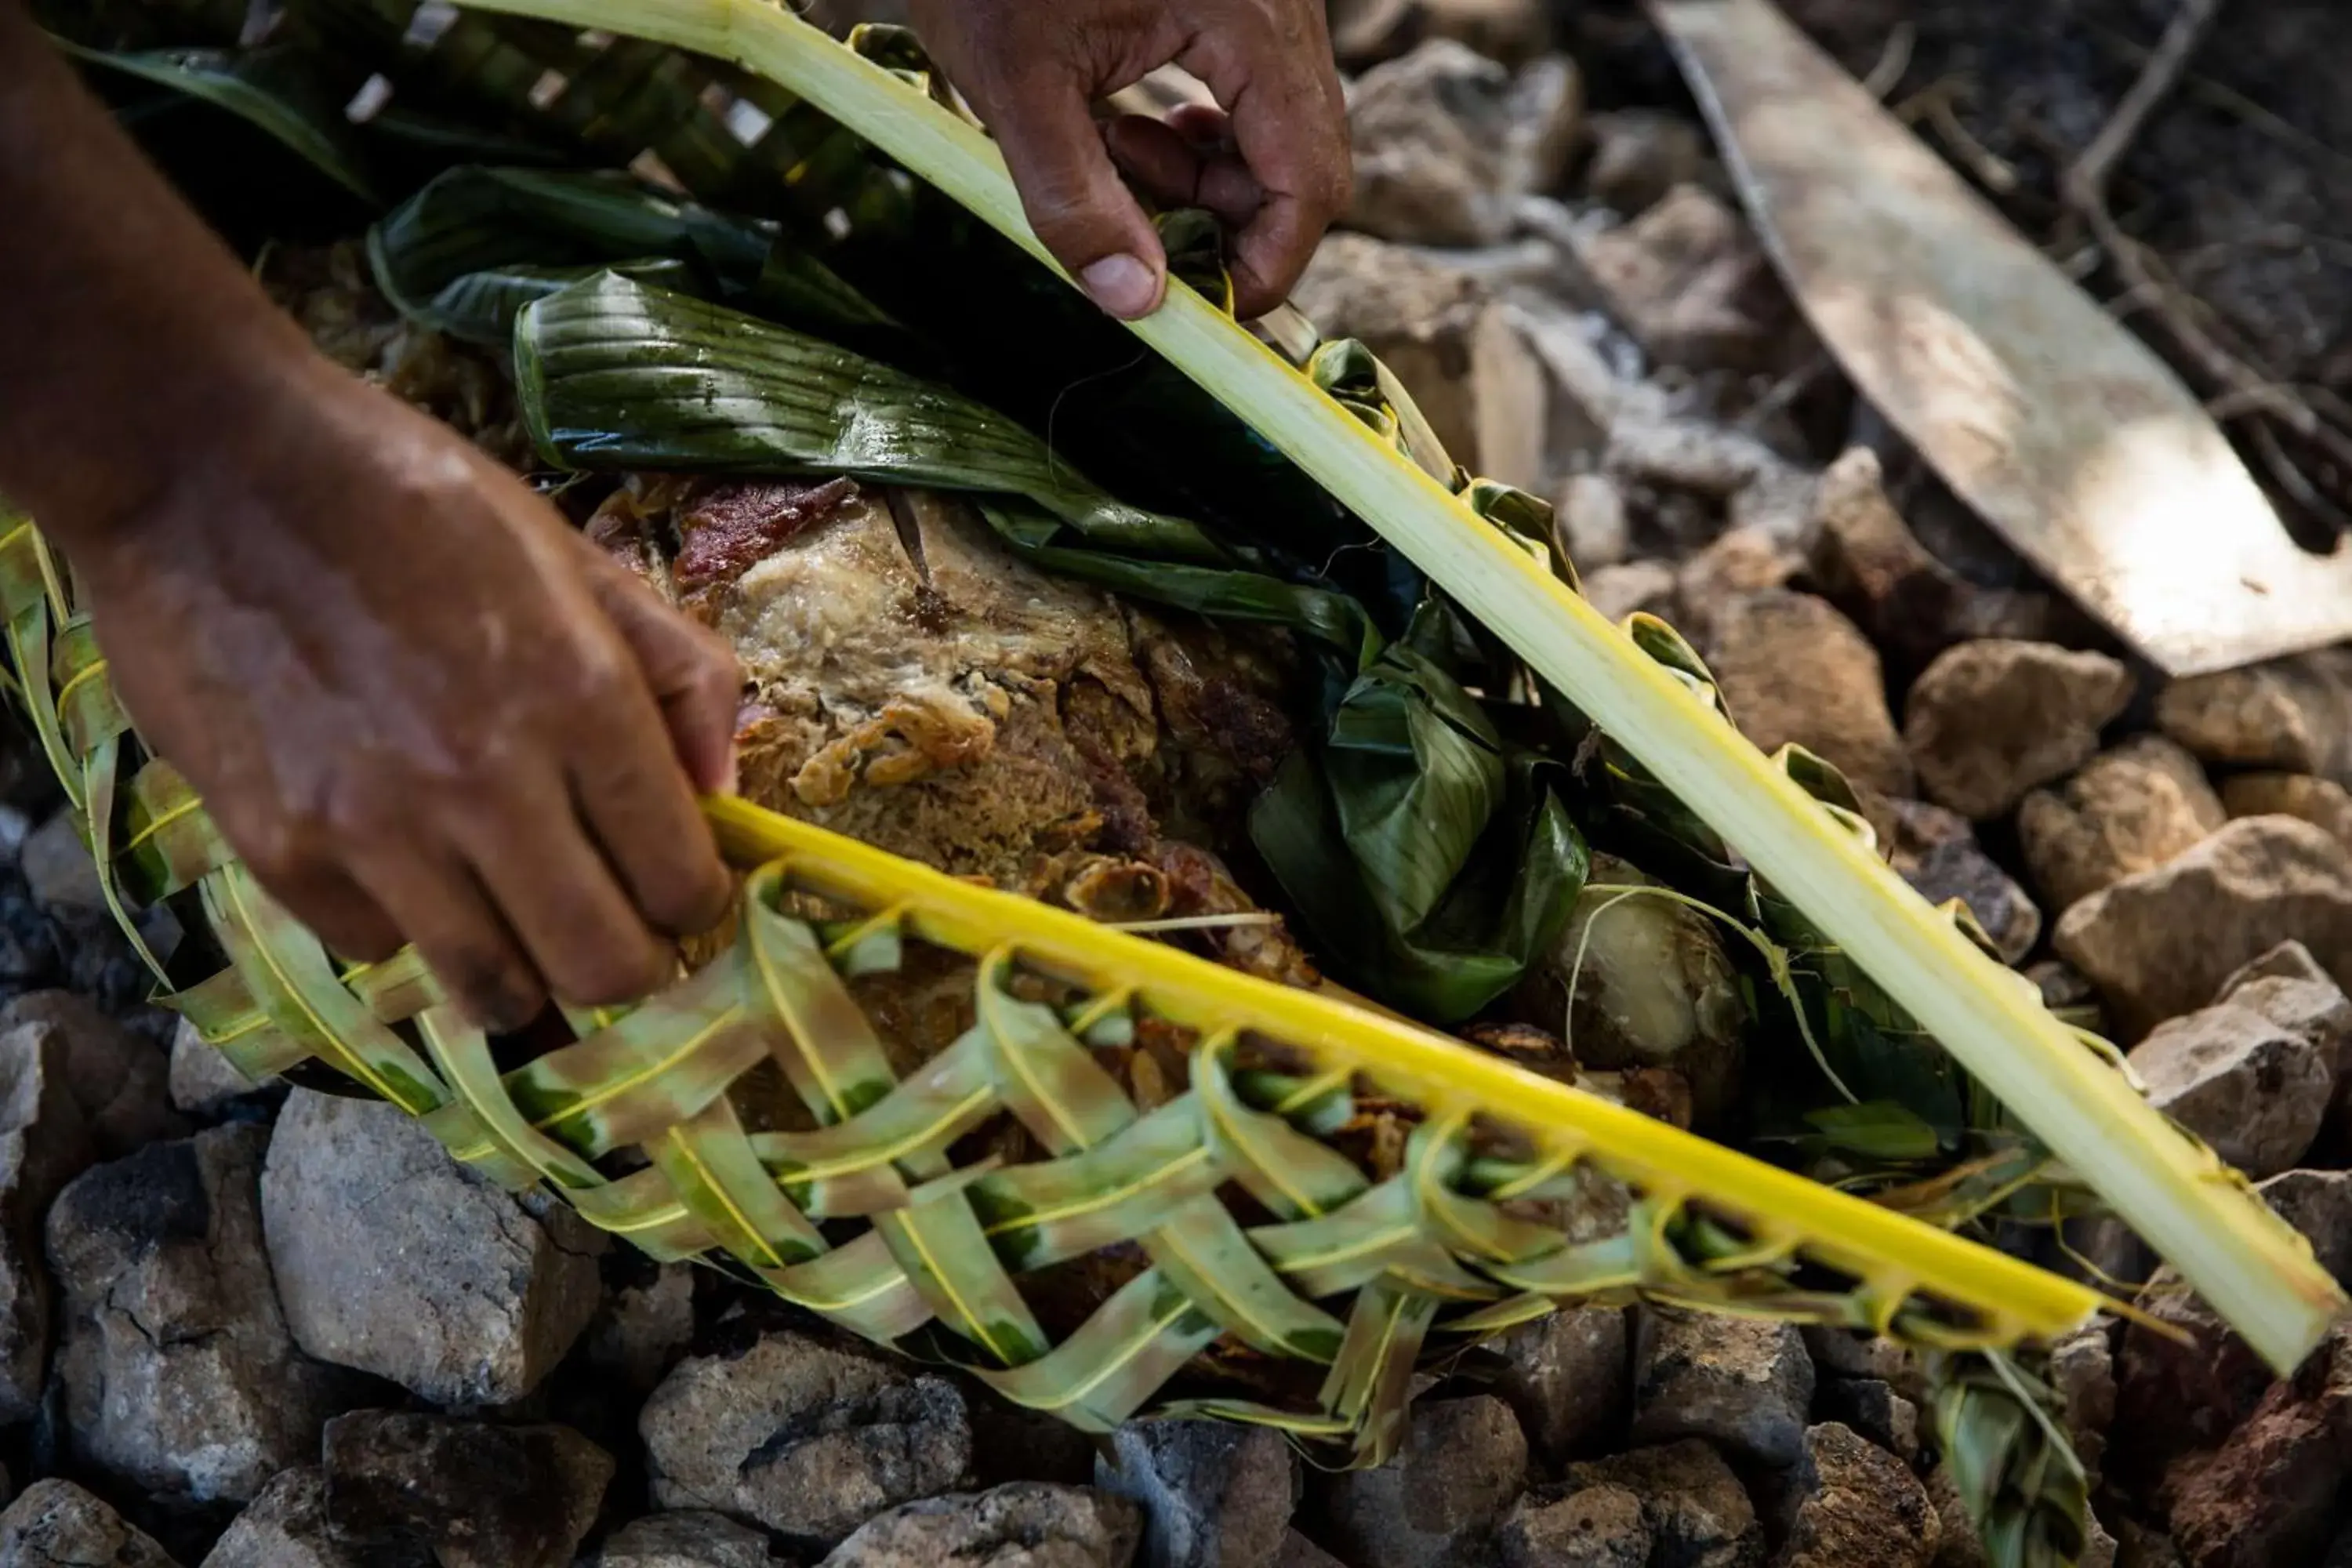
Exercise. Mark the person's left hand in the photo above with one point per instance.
(1271, 160)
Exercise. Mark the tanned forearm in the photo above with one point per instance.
(129, 330)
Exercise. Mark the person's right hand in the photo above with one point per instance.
(415, 701)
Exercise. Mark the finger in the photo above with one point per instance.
(1072, 192)
(1289, 123)
(561, 898)
(640, 810)
(693, 672)
(1204, 126)
(352, 924)
(442, 910)
(1176, 170)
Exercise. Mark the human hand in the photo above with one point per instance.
(1272, 160)
(415, 701)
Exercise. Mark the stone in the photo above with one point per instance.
(2258, 1093)
(1713, 462)
(1599, 1527)
(1447, 143)
(1639, 155)
(1297, 1552)
(177, 1372)
(1437, 1502)
(804, 1437)
(1023, 1524)
(1366, 32)
(1213, 1495)
(477, 1496)
(204, 1082)
(1794, 671)
(2190, 1382)
(1851, 1504)
(2322, 802)
(393, 1258)
(60, 874)
(44, 1143)
(1740, 562)
(1842, 1352)
(1872, 1409)
(1699, 1513)
(1465, 363)
(2158, 944)
(1743, 1384)
(1569, 1376)
(1688, 280)
(2129, 810)
(1937, 852)
(287, 1527)
(56, 1524)
(1990, 720)
(116, 1076)
(2083, 1370)
(2137, 1546)
(1866, 560)
(2273, 1491)
(686, 1540)
(1960, 1546)
(1635, 587)
(2287, 987)
(645, 1328)
(2293, 715)
(1589, 521)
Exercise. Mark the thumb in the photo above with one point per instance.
(1072, 192)
(691, 671)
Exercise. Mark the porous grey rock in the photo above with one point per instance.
(1794, 671)
(1437, 1502)
(205, 1082)
(2288, 987)
(1867, 561)
(2159, 945)
(1962, 1546)
(1447, 142)
(1851, 1504)
(2293, 715)
(690, 1539)
(1746, 1385)
(2322, 802)
(2273, 1491)
(477, 1496)
(2256, 1092)
(1641, 154)
(2190, 1382)
(56, 1524)
(1589, 521)
(1213, 1495)
(1990, 720)
(60, 874)
(1441, 334)
(115, 1075)
(1688, 280)
(1570, 1378)
(1876, 1411)
(645, 1328)
(1738, 561)
(1631, 588)
(394, 1259)
(1698, 1514)
(1937, 852)
(2083, 1371)
(286, 1527)
(1598, 1527)
(803, 1436)
(1297, 1552)
(2129, 810)
(1024, 1524)
(177, 1370)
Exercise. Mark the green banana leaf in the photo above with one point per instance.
(464, 254)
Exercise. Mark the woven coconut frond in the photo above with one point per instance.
(917, 1206)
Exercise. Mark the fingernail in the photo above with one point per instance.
(1122, 285)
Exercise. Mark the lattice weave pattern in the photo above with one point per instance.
(866, 1219)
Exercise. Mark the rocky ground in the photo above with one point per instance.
(256, 1327)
